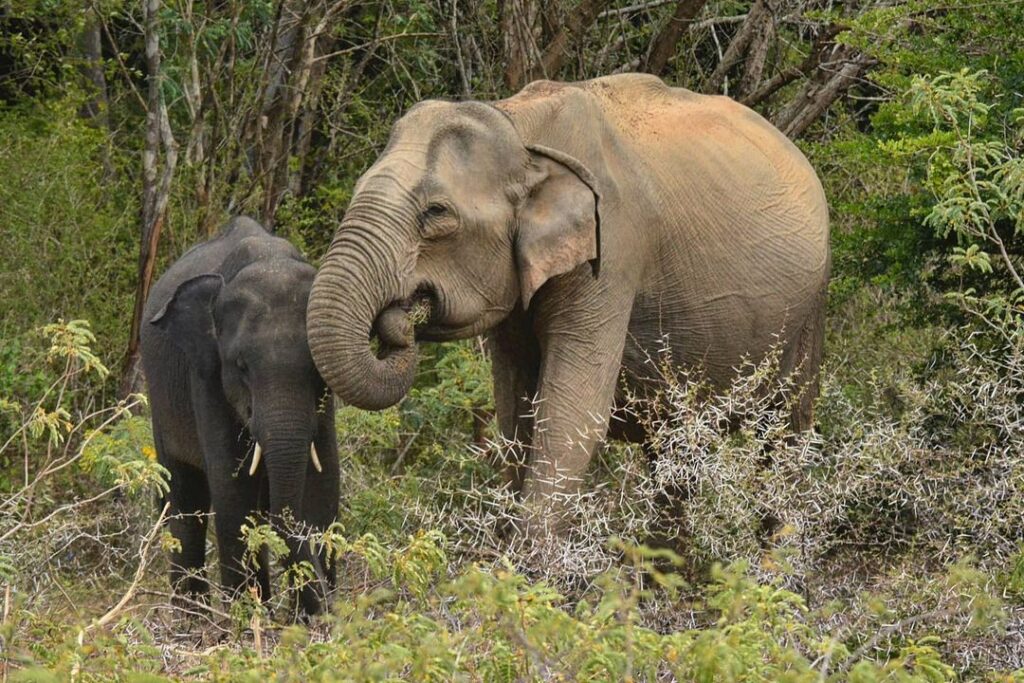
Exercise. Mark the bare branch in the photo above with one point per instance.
(140, 571)
(154, 194)
(817, 95)
(787, 76)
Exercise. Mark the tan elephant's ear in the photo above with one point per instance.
(559, 227)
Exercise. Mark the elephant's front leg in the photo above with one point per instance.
(581, 355)
(321, 491)
(234, 494)
(189, 500)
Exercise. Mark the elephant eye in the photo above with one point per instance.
(240, 364)
(435, 211)
(438, 220)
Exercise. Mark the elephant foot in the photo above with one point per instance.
(310, 602)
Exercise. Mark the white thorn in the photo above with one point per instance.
(315, 458)
(257, 454)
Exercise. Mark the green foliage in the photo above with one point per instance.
(67, 362)
(68, 246)
(1014, 578)
(122, 454)
(74, 459)
(444, 399)
(259, 537)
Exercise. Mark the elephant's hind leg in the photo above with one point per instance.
(809, 349)
(189, 499)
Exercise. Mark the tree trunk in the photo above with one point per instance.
(757, 54)
(521, 26)
(663, 47)
(819, 94)
(96, 108)
(90, 47)
(569, 37)
(519, 36)
(786, 76)
(155, 190)
(734, 53)
(281, 128)
(271, 120)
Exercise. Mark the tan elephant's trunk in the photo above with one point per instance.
(358, 281)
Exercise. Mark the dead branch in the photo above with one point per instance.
(552, 57)
(757, 54)
(819, 93)
(140, 571)
(787, 76)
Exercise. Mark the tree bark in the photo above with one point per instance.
(283, 124)
(581, 18)
(96, 108)
(787, 76)
(734, 53)
(271, 121)
(819, 93)
(663, 47)
(526, 61)
(305, 118)
(519, 36)
(757, 54)
(90, 47)
(156, 187)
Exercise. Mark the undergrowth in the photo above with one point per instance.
(884, 546)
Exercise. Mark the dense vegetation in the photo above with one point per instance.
(888, 544)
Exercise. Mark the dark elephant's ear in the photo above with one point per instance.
(188, 317)
(559, 223)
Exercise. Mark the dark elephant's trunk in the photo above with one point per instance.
(361, 277)
(285, 438)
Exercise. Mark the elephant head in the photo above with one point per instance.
(459, 218)
(244, 328)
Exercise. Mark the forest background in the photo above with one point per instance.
(131, 130)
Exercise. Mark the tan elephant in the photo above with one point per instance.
(583, 227)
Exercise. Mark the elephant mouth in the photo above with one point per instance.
(422, 317)
(400, 325)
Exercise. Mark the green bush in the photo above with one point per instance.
(69, 242)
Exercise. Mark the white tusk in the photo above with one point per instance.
(315, 458)
(257, 454)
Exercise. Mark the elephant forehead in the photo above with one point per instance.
(266, 302)
(270, 279)
(268, 343)
(464, 129)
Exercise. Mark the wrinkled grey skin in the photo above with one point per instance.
(227, 364)
(584, 227)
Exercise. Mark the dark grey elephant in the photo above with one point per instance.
(241, 417)
(585, 228)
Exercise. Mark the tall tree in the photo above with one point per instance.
(159, 159)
